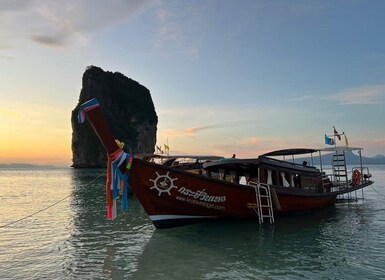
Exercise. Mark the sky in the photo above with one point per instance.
(243, 77)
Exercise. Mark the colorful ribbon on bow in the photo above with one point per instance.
(117, 181)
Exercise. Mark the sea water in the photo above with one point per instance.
(53, 226)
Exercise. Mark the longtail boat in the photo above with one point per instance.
(233, 188)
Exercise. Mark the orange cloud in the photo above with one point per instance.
(250, 141)
(192, 131)
(188, 132)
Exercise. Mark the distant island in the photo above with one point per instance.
(25, 166)
(351, 158)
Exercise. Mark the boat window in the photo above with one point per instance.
(285, 183)
(292, 180)
(297, 181)
(269, 177)
(234, 177)
(243, 180)
(309, 183)
(221, 174)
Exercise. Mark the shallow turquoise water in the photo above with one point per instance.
(73, 240)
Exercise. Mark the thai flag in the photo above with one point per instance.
(337, 134)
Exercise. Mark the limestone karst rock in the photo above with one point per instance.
(129, 110)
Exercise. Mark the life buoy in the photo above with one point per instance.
(356, 178)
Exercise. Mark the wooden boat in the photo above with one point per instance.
(174, 197)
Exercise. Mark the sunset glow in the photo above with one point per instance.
(226, 77)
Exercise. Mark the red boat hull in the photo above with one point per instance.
(173, 197)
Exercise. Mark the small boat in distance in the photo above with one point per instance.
(233, 188)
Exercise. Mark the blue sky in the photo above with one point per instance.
(226, 77)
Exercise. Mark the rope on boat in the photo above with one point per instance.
(46, 208)
(377, 192)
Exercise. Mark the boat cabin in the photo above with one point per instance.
(266, 170)
(286, 174)
(281, 169)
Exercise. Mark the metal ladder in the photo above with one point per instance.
(263, 197)
(339, 169)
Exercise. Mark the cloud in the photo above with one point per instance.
(252, 141)
(234, 113)
(302, 98)
(62, 23)
(363, 95)
(188, 132)
(169, 31)
(194, 130)
(51, 41)
(179, 29)
(225, 119)
(380, 142)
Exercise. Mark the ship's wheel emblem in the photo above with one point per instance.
(163, 183)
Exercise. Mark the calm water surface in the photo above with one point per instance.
(73, 240)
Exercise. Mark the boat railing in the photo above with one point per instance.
(355, 177)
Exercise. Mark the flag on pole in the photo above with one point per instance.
(166, 148)
(329, 141)
(337, 134)
(158, 149)
(346, 140)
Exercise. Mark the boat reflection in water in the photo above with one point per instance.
(297, 245)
